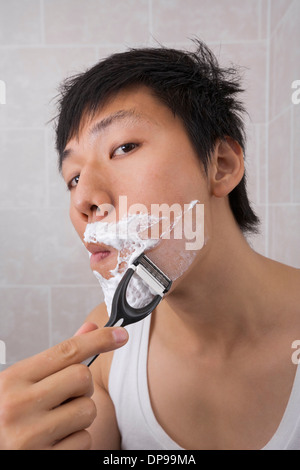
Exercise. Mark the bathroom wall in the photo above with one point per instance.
(46, 287)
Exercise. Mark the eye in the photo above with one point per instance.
(73, 183)
(124, 148)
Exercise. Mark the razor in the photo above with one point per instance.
(123, 314)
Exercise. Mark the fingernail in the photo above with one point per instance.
(120, 335)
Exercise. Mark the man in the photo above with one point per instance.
(211, 368)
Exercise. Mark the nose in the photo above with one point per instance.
(91, 201)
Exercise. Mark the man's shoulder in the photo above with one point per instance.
(288, 291)
(98, 315)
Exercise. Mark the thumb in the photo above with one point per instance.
(85, 328)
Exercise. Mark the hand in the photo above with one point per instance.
(45, 399)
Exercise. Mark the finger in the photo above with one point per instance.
(71, 382)
(80, 440)
(86, 327)
(71, 351)
(70, 417)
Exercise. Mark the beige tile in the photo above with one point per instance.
(252, 163)
(96, 22)
(20, 22)
(285, 60)
(32, 77)
(24, 321)
(103, 52)
(284, 234)
(264, 19)
(256, 162)
(70, 307)
(278, 9)
(179, 20)
(23, 169)
(58, 194)
(41, 247)
(251, 60)
(279, 160)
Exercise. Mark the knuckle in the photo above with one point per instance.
(90, 409)
(86, 411)
(83, 374)
(68, 349)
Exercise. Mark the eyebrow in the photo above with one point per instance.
(100, 126)
(128, 114)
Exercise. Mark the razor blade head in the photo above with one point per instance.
(152, 275)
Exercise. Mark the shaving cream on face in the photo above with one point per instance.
(124, 237)
(127, 237)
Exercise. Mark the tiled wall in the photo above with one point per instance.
(46, 287)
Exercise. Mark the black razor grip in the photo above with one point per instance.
(121, 308)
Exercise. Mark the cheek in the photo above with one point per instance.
(179, 179)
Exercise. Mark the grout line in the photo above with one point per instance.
(284, 204)
(42, 22)
(60, 46)
(47, 178)
(43, 207)
(259, 20)
(258, 159)
(282, 19)
(22, 128)
(121, 44)
(267, 115)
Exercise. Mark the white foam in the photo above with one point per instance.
(124, 236)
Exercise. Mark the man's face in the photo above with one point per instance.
(134, 147)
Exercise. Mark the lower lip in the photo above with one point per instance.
(99, 256)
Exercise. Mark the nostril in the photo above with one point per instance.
(94, 208)
(104, 209)
(98, 212)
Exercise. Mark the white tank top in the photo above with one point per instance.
(128, 388)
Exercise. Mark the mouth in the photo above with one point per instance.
(99, 252)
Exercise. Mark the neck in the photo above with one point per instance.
(221, 298)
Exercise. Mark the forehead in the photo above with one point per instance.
(126, 108)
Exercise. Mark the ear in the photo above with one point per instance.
(227, 167)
